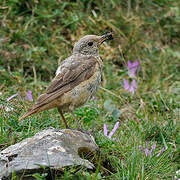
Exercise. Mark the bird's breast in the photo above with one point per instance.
(83, 92)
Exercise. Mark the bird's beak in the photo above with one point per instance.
(105, 37)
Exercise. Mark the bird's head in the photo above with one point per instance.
(89, 44)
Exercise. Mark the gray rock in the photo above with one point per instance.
(49, 148)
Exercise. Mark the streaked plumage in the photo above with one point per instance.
(77, 78)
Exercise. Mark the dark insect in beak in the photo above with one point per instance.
(108, 35)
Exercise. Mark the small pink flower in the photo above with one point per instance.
(131, 88)
(148, 152)
(132, 68)
(152, 148)
(160, 152)
(125, 84)
(112, 132)
(14, 95)
(105, 130)
(29, 96)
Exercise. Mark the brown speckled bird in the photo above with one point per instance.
(76, 81)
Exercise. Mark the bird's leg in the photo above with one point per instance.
(61, 113)
(79, 126)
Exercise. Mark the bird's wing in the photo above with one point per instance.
(72, 75)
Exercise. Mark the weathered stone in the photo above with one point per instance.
(49, 148)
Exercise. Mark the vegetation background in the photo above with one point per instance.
(37, 34)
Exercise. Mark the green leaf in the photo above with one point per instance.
(115, 114)
(109, 106)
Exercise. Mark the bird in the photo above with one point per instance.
(76, 81)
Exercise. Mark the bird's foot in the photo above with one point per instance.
(84, 131)
(67, 127)
(79, 129)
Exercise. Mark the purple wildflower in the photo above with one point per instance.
(152, 148)
(105, 130)
(39, 94)
(29, 95)
(125, 84)
(132, 87)
(132, 67)
(14, 95)
(114, 129)
(112, 132)
(129, 88)
(160, 152)
(147, 152)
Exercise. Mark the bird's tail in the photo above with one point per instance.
(30, 112)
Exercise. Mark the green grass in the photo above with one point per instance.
(36, 35)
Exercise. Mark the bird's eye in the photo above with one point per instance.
(90, 43)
